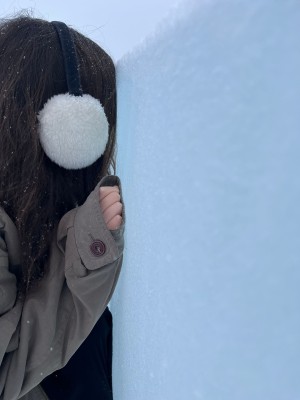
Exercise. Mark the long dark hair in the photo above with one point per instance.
(34, 191)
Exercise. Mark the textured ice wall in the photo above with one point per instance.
(207, 306)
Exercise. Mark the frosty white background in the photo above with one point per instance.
(207, 306)
(115, 24)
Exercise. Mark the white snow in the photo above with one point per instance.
(207, 306)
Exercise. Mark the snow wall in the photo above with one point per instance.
(207, 306)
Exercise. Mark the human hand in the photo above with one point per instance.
(111, 206)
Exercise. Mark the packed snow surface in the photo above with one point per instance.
(207, 306)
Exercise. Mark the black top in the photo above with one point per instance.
(88, 374)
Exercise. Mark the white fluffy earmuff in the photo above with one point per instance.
(73, 130)
(73, 127)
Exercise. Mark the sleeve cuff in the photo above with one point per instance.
(96, 244)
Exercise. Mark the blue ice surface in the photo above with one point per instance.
(207, 306)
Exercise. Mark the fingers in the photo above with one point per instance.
(113, 210)
(108, 198)
(105, 190)
(115, 222)
(111, 206)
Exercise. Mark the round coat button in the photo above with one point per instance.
(98, 248)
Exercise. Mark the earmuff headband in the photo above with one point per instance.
(73, 126)
(70, 57)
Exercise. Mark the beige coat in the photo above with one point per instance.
(39, 335)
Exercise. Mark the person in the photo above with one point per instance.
(62, 214)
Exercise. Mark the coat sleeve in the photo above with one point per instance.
(8, 281)
(58, 315)
(8, 262)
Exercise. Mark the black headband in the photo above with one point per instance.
(70, 57)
